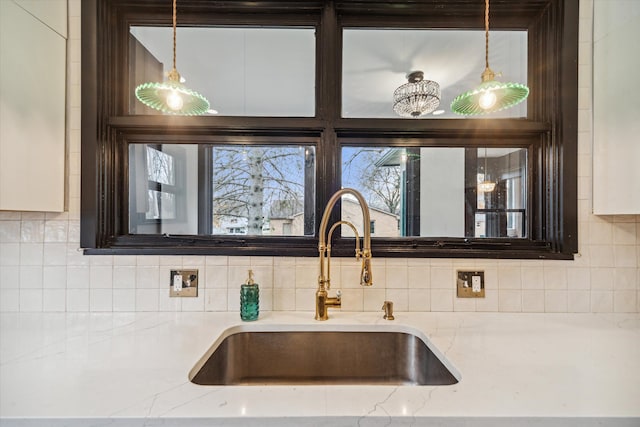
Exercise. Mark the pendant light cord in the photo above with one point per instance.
(486, 32)
(488, 73)
(174, 33)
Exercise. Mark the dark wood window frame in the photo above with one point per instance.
(107, 128)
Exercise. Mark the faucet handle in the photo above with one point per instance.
(338, 293)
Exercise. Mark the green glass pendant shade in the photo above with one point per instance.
(172, 97)
(507, 95)
(491, 95)
(155, 95)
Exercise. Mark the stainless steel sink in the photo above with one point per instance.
(321, 357)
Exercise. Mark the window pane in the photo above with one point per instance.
(160, 167)
(377, 61)
(263, 190)
(222, 189)
(437, 191)
(241, 71)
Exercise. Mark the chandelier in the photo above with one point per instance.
(490, 95)
(172, 96)
(417, 97)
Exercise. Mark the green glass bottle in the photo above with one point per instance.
(249, 299)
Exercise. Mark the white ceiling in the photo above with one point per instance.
(271, 71)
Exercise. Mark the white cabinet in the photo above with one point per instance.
(33, 44)
(616, 109)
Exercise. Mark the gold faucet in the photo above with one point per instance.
(323, 301)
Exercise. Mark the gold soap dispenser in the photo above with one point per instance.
(249, 299)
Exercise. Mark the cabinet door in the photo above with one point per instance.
(32, 110)
(616, 110)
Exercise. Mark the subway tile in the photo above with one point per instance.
(55, 254)
(578, 278)
(625, 301)
(555, 278)
(464, 304)
(624, 233)
(579, 301)
(197, 304)
(284, 299)
(30, 277)
(32, 231)
(625, 279)
(147, 300)
(9, 300)
(490, 302)
(124, 260)
(77, 278)
(216, 300)
(147, 260)
(10, 277)
(266, 300)
(374, 297)
(101, 300)
(509, 278)
(31, 253)
(100, 277)
(10, 231)
(400, 299)
(103, 260)
(167, 303)
(602, 278)
(555, 301)
(31, 300)
(124, 300)
(533, 301)
(56, 231)
(396, 277)
(148, 277)
(510, 300)
(441, 300)
(216, 277)
(442, 278)
(54, 277)
(54, 300)
(216, 260)
(305, 299)
(419, 300)
(419, 277)
(263, 276)
(124, 277)
(601, 301)
(352, 299)
(625, 256)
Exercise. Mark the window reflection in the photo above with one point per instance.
(376, 61)
(242, 71)
(222, 189)
(434, 191)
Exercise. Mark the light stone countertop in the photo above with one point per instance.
(131, 369)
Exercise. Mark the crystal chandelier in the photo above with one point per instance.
(490, 95)
(417, 97)
(172, 96)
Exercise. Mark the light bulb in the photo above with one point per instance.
(174, 101)
(487, 99)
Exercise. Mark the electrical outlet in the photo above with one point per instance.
(470, 284)
(183, 283)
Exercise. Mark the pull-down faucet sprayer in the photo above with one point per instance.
(323, 301)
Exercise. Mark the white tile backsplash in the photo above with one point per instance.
(42, 267)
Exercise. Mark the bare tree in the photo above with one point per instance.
(249, 180)
(379, 183)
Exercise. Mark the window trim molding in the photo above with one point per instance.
(553, 41)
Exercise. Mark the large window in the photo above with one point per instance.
(301, 105)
